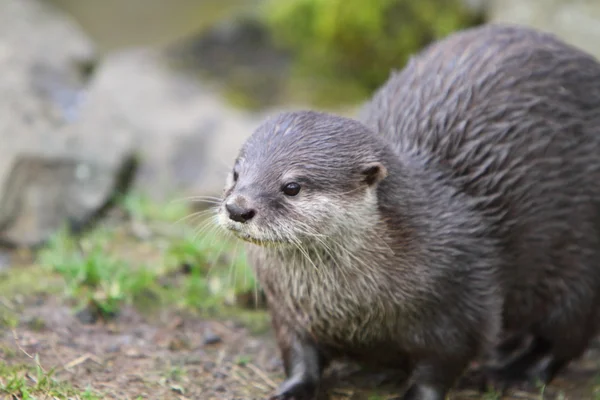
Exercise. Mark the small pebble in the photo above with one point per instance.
(219, 375)
(4, 261)
(209, 366)
(177, 389)
(113, 348)
(86, 316)
(211, 338)
(186, 268)
(220, 388)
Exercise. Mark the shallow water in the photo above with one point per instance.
(115, 24)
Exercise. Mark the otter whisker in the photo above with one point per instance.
(193, 215)
(197, 198)
(202, 229)
(232, 273)
(217, 256)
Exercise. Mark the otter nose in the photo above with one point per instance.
(239, 214)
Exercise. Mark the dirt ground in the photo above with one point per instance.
(178, 356)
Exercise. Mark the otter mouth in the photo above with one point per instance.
(252, 239)
(241, 231)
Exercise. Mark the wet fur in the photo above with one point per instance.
(522, 140)
(481, 213)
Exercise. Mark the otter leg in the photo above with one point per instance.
(303, 366)
(518, 369)
(433, 380)
(303, 363)
(537, 366)
(548, 368)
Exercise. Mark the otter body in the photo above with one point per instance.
(462, 205)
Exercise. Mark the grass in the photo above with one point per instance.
(28, 383)
(94, 276)
(108, 268)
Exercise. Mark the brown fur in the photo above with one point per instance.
(466, 200)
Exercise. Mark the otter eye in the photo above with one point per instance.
(291, 189)
(235, 176)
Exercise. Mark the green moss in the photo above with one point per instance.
(353, 44)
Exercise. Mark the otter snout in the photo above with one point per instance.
(239, 213)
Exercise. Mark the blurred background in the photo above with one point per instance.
(114, 112)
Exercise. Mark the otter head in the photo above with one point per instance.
(301, 177)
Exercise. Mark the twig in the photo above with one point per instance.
(239, 376)
(262, 375)
(19, 345)
(82, 359)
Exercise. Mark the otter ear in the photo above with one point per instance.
(373, 173)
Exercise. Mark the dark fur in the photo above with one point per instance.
(484, 154)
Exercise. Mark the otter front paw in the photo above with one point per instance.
(296, 388)
(424, 392)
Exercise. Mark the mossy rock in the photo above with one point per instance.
(351, 46)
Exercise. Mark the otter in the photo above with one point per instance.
(461, 206)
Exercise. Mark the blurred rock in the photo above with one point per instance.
(5, 261)
(240, 54)
(186, 135)
(211, 338)
(575, 21)
(71, 127)
(54, 166)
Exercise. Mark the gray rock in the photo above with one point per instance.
(54, 167)
(5, 260)
(70, 127)
(186, 135)
(575, 21)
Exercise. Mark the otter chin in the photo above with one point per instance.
(461, 207)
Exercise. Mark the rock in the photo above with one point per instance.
(210, 338)
(5, 261)
(220, 388)
(55, 168)
(44, 192)
(73, 129)
(575, 21)
(239, 54)
(87, 316)
(186, 135)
